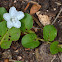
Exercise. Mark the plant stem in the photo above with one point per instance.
(60, 45)
(29, 31)
(44, 41)
(25, 33)
(41, 39)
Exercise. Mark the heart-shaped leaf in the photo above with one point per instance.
(49, 33)
(29, 41)
(2, 11)
(8, 35)
(26, 22)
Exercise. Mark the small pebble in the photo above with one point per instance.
(16, 51)
(15, 1)
(54, 9)
(19, 58)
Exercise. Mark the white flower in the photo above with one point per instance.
(13, 18)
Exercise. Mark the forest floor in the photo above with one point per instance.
(40, 54)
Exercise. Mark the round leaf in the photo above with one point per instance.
(59, 49)
(29, 41)
(49, 33)
(54, 47)
(26, 22)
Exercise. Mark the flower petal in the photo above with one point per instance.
(17, 24)
(6, 16)
(9, 24)
(12, 11)
(20, 15)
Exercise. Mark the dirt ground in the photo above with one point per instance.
(41, 53)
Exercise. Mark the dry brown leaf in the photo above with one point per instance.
(27, 48)
(34, 8)
(6, 60)
(44, 19)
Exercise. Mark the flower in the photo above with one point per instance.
(13, 18)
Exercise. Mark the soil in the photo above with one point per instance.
(17, 51)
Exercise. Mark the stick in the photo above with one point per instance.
(57, 16)
(37, 22)
(26, 7)
(30, 1)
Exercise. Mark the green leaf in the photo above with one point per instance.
(49, 33)
(29, 41)
(8, 35)
(6, 44)
(54, 47)
(2, 11)
(59, 49)
(18, 61)
(26, 22)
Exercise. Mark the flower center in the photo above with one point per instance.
(13, 19)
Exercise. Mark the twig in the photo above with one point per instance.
(26, 7)
(57, 16)
(36, 28)
(31, 1)
(12, 60)
(53, 58)
(37, 22)
(60, 17)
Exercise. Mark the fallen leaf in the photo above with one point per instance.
(44, 19)
(34, 8)
(6, 60)
(27, 48)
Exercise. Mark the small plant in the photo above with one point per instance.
(15, 22)
(49, 34)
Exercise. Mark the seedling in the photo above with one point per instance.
(15, 22)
